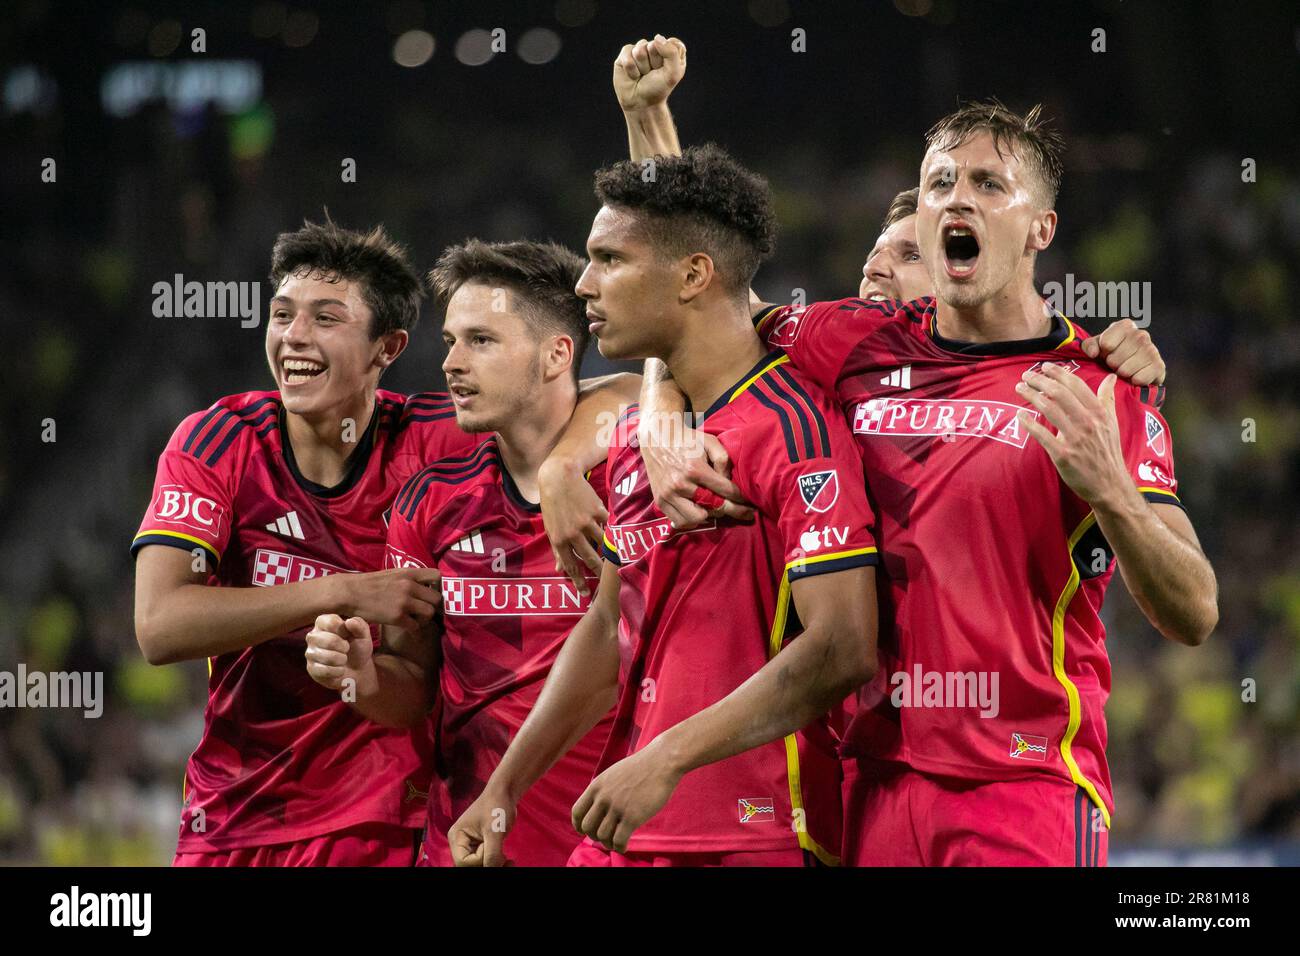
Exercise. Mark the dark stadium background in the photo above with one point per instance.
(1158, 127)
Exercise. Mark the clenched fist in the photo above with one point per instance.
(340, 650)
(645, 72)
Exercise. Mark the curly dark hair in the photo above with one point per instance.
(389, 284)
(702, 201)
(542, 274)
(1028, 136)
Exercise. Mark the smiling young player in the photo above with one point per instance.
(263, 506)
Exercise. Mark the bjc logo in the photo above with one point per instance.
(185, 507)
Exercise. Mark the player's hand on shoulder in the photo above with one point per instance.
(689, 474)
(338, 650)
(645, 72)
(404, 597)
(478, 837)
(1128, 350)
(572, 514)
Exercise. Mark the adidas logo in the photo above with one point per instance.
(899, 377)
(472, 543)
(288, 526)
(625, 486)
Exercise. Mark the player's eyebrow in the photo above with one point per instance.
(317, 303)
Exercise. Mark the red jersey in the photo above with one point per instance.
(282, 758)
(993, 656)
(702, 611)
(506, 613)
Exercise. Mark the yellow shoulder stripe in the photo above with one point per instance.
(184, 537)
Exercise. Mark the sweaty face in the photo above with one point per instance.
(318, 344)
(975, 219)
(628, 288)
(894, 268)
(494, 359)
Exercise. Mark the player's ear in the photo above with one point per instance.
(1042, 230)
(392, 345)
(697, 274)
(557, 357)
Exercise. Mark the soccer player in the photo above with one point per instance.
(515, 334)
(260, 504)
(645, 74)
(721, 752)
(996, 548)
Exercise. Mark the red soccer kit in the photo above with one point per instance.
(702, 611)
(506, 614)
(993, 658)
(283, 759)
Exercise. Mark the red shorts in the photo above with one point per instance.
(907, 818)
(366, 844)
(591, 853)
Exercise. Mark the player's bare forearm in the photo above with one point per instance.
(1162, 564)
(185, 620)
(834, 656)
(580, 689)
(584, 442)
(661, 398)
(651, 132)
(395, 692)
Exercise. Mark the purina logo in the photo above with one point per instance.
(899, 377)
(287, 525)
(1028, 747)
(820, 490)
(757, 810)
(633, 541)
(625, 486)
(501, 597)
(472, 543)
(1155, 434)
(959, 417)
(274, 567)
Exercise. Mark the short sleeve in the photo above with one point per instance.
(1148, 446)
(799, 465)
(409, 534)
(192, 502)
(818, 337)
